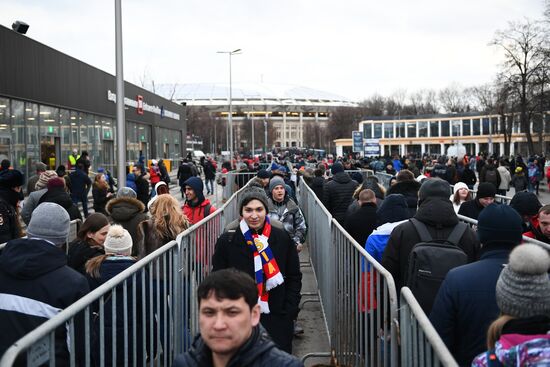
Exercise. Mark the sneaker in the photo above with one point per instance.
(298, 330)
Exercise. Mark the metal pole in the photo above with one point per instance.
(252, 121)
(230, 113)
(120, 119)
(265, 136)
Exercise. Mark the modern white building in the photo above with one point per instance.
(294, 111)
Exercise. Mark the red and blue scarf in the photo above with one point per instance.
(267, 272)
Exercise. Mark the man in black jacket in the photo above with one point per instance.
(11, 183)
(338, 192)
(485, 196)
(436, 211)
(80, 186)
(280, 301)
(229, 322)
(35, 281)
(362, 222)
(142, 185)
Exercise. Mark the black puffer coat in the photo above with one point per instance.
(59, 196)
(80, 252)
(338, 195)
(439, 217)
(258, 351)
(317, 185)
(409, 189)
(128, 212)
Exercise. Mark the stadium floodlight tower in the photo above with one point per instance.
(230, 53)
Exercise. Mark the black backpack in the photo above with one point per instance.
(430, 260)
(492, 176)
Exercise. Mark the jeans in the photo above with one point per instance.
(82, 198)
(210, 185)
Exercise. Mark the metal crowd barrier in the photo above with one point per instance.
(74, 226)
(234, 181)
(421, 345)
(358, 296)
(384, 179)
(144, 315)
(363, 172)
(498, 198)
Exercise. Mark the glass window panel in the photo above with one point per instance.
(18, 134)
(456, 127)
(388, 130)
(74, 131)
(49, 121)
(33, 144)
(494, 125)
(85, 120)
(5, 130)
(377, 131)
(400, 130)
(476, 127)
(434, 128)
(485, 126)
(445, 130)
(547, 123)
(411, 130)
(367, 131)
(466, 130)
(422, 129)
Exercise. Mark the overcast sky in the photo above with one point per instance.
(353, 48)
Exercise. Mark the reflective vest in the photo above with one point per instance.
(73, 159)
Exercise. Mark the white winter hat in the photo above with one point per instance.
(118, 241)
(460, 185)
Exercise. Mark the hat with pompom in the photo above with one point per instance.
(118, 241)
(523, 288)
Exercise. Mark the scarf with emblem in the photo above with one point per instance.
(267, 272)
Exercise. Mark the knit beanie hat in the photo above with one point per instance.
(458, 186)
(42, 182)
(523, 288)
(393, 209)
(434, 187)
(49, 221)
(253, 193)
(126, 192)
(486, 190)
(196, 184)
(500, 224)
(263, 173)
(337, 168)
(56, 182)
(11, 178)
(275, 181)
(526, 203)
(40, 166)
(118, 241)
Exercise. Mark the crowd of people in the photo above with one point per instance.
(249, 305)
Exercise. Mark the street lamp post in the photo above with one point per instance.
(120, 119)
(265, 136)
(230, 53)
(252, 122)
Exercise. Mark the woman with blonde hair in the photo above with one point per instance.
(166, 222)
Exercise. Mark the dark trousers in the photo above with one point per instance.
(82, 198)
(280, 328)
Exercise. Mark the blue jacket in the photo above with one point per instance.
(466, 304)
(80, 183)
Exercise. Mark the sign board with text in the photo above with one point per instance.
(372, 147)
(357, 138)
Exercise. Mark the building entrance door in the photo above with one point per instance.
(5, 148)
(50, 151)
(109, 156)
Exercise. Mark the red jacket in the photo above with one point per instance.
(196, 214)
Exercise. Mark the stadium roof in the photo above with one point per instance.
(200, 94)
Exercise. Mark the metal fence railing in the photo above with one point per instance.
(358, 296)
(363, 172)
(498, 198)
(421, 345)
(234, 181)
(144, 315)
(384, 179)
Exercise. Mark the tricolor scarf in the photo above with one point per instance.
(266, 269)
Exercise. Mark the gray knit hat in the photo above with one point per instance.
(275, 181)
(253, 193)
(126, 192)
(49, 221)
(523, 288)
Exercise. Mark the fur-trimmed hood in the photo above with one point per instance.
(124, 208)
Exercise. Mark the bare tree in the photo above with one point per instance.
(454, 98)
(424, 102)
(523, 45)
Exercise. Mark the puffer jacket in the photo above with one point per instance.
(439, 217)
(35, 285)
(31, 202)
(338, 195)
(258, 351)
(128, 212)
(317, 185)
(291, 216)
(409, 189)
(80, 252)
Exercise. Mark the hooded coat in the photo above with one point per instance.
(258, 351)
(409, 189)
(317, 185)
(128, 212)
(31, 202)
(10, 228)
(59, 196)
(290, 215)
(196, 212)
(361, 223)
(438, 215)
(338, 195)
(35, 285)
